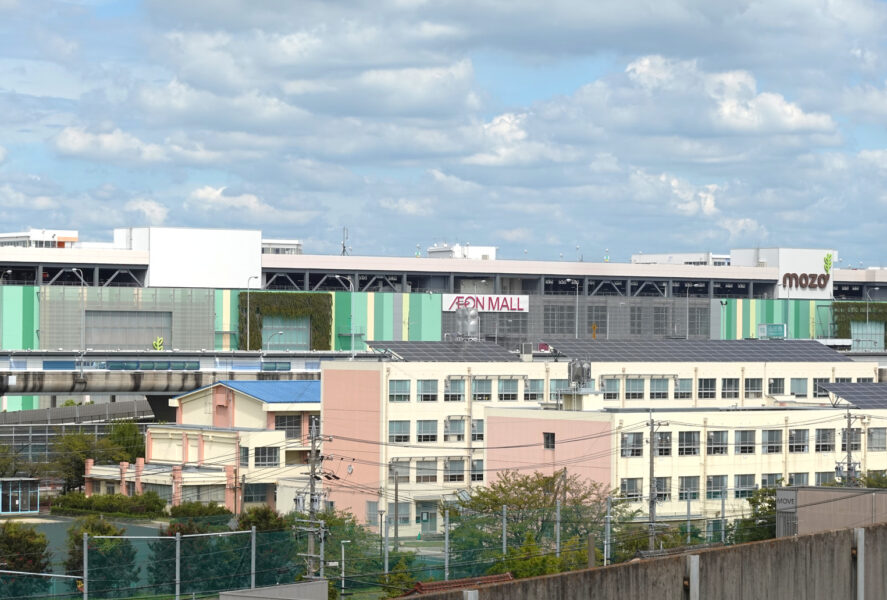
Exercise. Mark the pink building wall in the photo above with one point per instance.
(582, 445)
(351, 409)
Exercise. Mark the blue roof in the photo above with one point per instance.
(301, 391)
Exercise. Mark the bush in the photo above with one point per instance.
(148, 504)
(188, 510)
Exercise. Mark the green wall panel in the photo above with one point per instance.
(425, 317)
(384, 315)
(20, 316)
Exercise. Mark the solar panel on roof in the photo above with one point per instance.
(469, 351)
(697, 350)
(860, 395)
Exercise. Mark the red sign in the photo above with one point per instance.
(485, 303)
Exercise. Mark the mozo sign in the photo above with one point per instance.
(811, 281)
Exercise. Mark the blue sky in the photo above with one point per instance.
(537, 127)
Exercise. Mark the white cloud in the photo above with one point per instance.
(116, 145)
(412, 207)
(213, 201)
(151, 211)
(517, 234)
(11, 197)
(2, 154)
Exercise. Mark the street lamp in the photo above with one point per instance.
(268, 345)
(342, 543)
(381, 532)
(868, 298)
(251, 277)
(351, 290)
(576, 281)
(5, 273)
(690, 285)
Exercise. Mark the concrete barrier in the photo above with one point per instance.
(821, 566)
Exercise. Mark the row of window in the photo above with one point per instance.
(745, 442)
(716, 486)
(427, 430)
(636, 388)
(426, 471)
(428, 390)
(263, 456)
(561, 319)
(292, 425)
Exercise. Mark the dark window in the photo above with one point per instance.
(548, 440)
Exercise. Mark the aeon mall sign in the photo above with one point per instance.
(810, 280)
(485, 303)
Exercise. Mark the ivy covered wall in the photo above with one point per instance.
(317, 307)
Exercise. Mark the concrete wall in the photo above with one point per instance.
(305, 590)
(811, 567)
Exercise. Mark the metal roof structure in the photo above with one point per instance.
(702, 351)
(860, 395)
(301, 391)
(466, 351)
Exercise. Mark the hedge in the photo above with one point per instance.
(147, 505)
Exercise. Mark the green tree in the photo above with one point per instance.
(112, 562)
(206, 563)
(761, 524)
(874, 479)
(528, 560)
(71, 451)
(398, 581)
(22, 548)
(274, 545)
(125, 441)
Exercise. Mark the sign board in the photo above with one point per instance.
(771, 331)
(485, 303)
(786, 500)
(805, 274)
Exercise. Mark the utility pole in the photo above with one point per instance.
(848, 439)
(607, 533)
(653, 490)
(312, 510)
(396, 506)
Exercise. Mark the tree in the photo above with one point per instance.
(761, 525)
(529, 560)
(22, 548)
(125, 441)
(275, 559)
(71, 451)
(399, 580)
(874, 479)
(112, 562)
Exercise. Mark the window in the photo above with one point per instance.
(268, 456)
(797, 441)
(776, 386)
(110, 489)
(825, 478)
(559, 318)
(534, 390)
(631, 489)
(477, 430)
(799, 387)
(716, 443)
(399, 471)
(244, 456)
(825, 440)
(855, 439)
(658, 389)
(663, 443)
(611, 389)
(818, 390)
(743, 486)
(688, 488)
(162, 490)
(843, 379)
(296, 333)
(454, 430)
(636, 320)
(477, 470)
(482, 390)
(683, 389)
(556, 386)
(548, 440)
(660, 320)
(771, 440)
(753, 387)
(663, 489)
(454, 470)
(372, 512)
(291, 424)
(715, 486)
(403, 513)
(688, 443)
(877, 439)
(454, 390)
(745, 441)
(798, 479)
(426, 431)
(398, 432)
(770, 480)
(632, 444)
(255, 492)
(707, 388)
(634, 389)
(426, 471)
(427, 390)
(399, 390)
(508, 390)
(730, 388)
(596, 317)
(865, 380)
(699, 320)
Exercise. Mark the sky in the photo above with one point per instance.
(553, 130)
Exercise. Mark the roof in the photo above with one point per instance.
(428, 587)
(469, 351)
(300, 391)
(860, 395)
(704, 351)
